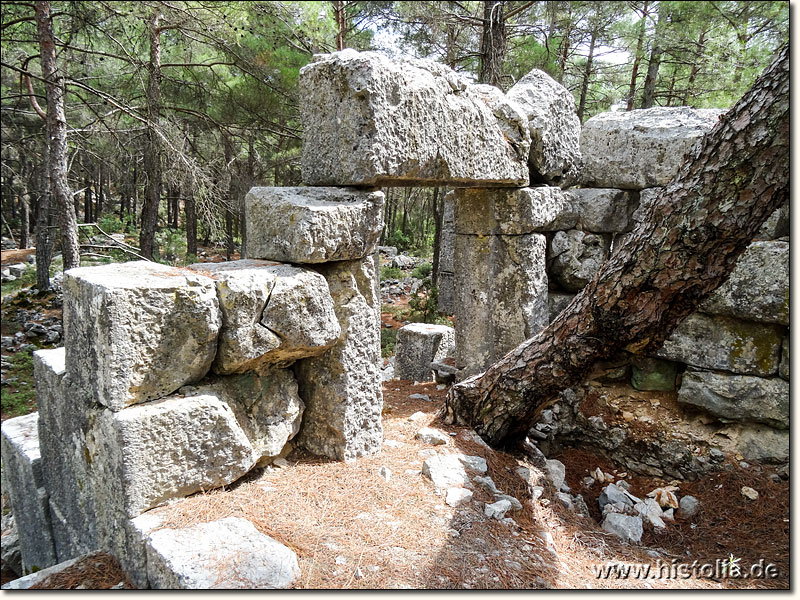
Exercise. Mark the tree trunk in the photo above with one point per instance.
(438, 208)
(637, 59)
(701, 43)
(686, 247)
(191, 225)
(25, 212)
(340, 18)
(152, 156)
(493, 43)
(587, 73)
(98, 207)
(648, 94)
(43, 253)
(56, 129)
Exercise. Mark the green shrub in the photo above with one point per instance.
(422, 271)
(388, 272)
(171, 246)
(110, 223)
(18, 397)
(388, 341)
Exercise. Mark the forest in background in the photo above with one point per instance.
(173, 110)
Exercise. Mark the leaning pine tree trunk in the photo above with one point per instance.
(686, 247)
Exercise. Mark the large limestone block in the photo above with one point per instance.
(139, 330)
(342, 387)
(24, 484)
(447, 235)
(369, 120)
(226, 554)
(575, 256)
(272, 314)
(149, 453)
(603, 210)
(312, 225)
(418, 345)
(760, 443)
(641, 148)
(738, 397)
(711, 342)
(501, 296)
(267, 407)
(509, 212)
(758, 287)
(446, 298)
(555, 129)
(65, 412)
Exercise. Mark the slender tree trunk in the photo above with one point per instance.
(587, 73)
(135, 210)
(637, 59)
(87, 201)
(152, 157)
(98, 209)
(230, 200)
(701, 43)
(56, 128)
(686, 247)
(25, 212)
(340, 18)
(493, 43)
(648, 93)
(43, 250)
(438, 206)
(191, 225)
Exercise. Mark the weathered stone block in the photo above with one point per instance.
(575, 257)
(22, 471)
(272, 314)
(371, 120)
(758, 287)
(760, 443)
(641, 148)
(65, 411)
(267, 407)
(446, 299)
(510, 212)
(723, 343)
(738, 397)
(783, 367)
(342, 387)
(557, 302)
(447, 233)
(555, 129)
(603, 210)
(501, 296)
(139, 330)
(312, 224)
(776, 225)
(418, 345)
(226, 554)
(652, 374)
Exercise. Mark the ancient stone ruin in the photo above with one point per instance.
(176, 380)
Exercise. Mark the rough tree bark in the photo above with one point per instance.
(152, 158)
(56, 129)
(493, 43)
(637, 58)
(735, 177)
(648, 93)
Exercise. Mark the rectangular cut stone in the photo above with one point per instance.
(272, 314)
(444, 276)
(24, 484)
(312, 224)
(641, 148)
(603, 210)
(418, 345)
(446, 299)
(342, 387)
(758, 287)
(65, 412)
(138, 331)
(510, 212)
(738, 397)
(713, 342)
(501, 296)
(374, 121)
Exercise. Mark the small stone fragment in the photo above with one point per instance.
(428, 435)
(749, 493)
(457, 496)
(497, 510)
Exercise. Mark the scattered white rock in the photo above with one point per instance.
(385, 473)
(556, 471)
(669, 514)
(341, 560)
(457, 496)
(417, 417)
(749, 493)
(281, 463)
(625, 527)
(497, 510)
(428, 435)
(474, 463)
(393, 444)
(689, 506)
(424, 397)
(445, 471)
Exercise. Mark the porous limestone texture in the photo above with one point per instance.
(25, 486)
(139, 330)
(501, 296)
(758, 287)
(267, 407)
(641, 148)
(713, 342)
(575, 256)
(509, 212)
(603, 210)
(312, 224)
(418, 345)
(165, 449)
(555, 129)
(272, 314)
(65, 413)
(738, 397)
(226, 554)
(445, 277)
(369, 120)
(342, 387)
